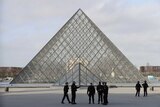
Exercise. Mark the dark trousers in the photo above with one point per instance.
(105, 97)
(91, 96)
(138, 93)
(73, 97)
(65, 95)
(100, 99)
(145, 92)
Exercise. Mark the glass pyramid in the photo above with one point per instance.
(79, 52)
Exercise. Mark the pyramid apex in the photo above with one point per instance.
(80, 9)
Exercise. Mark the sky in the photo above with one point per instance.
(27, 25)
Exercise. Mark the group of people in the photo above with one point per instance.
(102, 90)
(73, 92)
(138, 88)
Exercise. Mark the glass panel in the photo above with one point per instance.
(79, 48)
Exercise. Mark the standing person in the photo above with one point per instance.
(73, 91)
(65, 89)
(105, 93)
(138, 88)
(145, 86)
(100, 92)
(91, 93)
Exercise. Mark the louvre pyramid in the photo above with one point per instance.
(79, 52)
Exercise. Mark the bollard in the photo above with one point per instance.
(7, 89)
(152, 88)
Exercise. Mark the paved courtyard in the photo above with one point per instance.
(51, 97)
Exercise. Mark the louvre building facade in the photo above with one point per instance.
(79, 52)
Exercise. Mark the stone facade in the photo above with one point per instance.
(9, 71)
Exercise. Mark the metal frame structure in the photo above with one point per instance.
(79, 52)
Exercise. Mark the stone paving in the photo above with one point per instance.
(51, 97)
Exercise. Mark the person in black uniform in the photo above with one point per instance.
(138, 88)
(73, 92)
(145, 86)
(91, 93)
(65, 89)
(100, 92)
(105, 93)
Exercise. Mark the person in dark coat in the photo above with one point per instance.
(91, 93)
(73, 92)
(105, 93)
(145, 86)
(100, 92)
(65, 89)
(138, 88)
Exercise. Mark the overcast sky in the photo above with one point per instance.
(27, 25)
